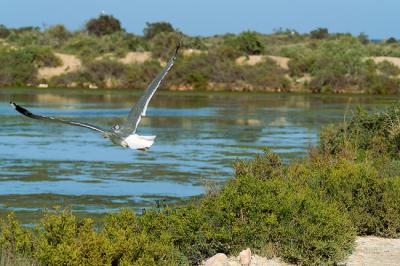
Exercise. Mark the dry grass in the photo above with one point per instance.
(9, 259)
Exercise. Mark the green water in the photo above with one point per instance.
(199, 136)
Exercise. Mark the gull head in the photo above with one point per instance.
(115, 128)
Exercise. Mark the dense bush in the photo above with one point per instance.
(152, 29)
(104, 73)
(57, 35)
(391, 40)
(25, 37)
(16, 69)
(60, 239)
(369, 191)
(333, 65)
(377, 133)
(320, 33)
(117, 44)
(265, 75)
(341, 65)
(19, 67)
(103, 25)
(4, 32)
(139, 76)
(219, 67)
(250, 43)
(367, 182)
(163, 43)
(388, 68)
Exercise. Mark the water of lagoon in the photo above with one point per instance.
(199, 137)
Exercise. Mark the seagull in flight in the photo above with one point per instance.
(124, 135)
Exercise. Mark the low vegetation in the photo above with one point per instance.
(320, 61)
(307, 211)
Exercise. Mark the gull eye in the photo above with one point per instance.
(115, 127)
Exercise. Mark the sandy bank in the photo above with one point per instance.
(369, 250)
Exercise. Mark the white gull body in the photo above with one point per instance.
(138, 142)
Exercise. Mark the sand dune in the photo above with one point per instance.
(391, 59)
(255, 59)
(69, 63)
(135, 57)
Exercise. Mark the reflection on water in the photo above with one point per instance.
(198, 138)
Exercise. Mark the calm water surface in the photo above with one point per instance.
(199, 136)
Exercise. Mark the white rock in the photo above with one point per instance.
(245, 257)
(219, 259)
(43, 85)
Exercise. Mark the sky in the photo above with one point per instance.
(379, 19)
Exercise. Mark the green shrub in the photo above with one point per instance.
(391, 40)
(90, 48)
(43, 56)
(249, 43)
(224, 52)
(266, 74)
(4, 32)
(17, 67)
(266, 214)
(316, 232)
(377, 133)
(75, 77)
(320, 33)
(388, 68)
(100, 71)
(152, 29)
(26, 36)
(362, 169)
(337, 65)
(128, 243)
(56, 35)
(14, 238)
(137, 76)
(363, 189)
(219, 67)
(363, 38)
(82, 45)
(62, 240)
(195, 70)
(163, 44)
(194, 43)
(103, 25)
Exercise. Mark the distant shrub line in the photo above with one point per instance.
(320, 61)
(308, 211)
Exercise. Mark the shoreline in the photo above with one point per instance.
(216, 91)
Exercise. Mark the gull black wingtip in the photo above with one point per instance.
(178, 46)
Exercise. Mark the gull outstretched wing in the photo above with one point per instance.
(140, 107)
(27, 113)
